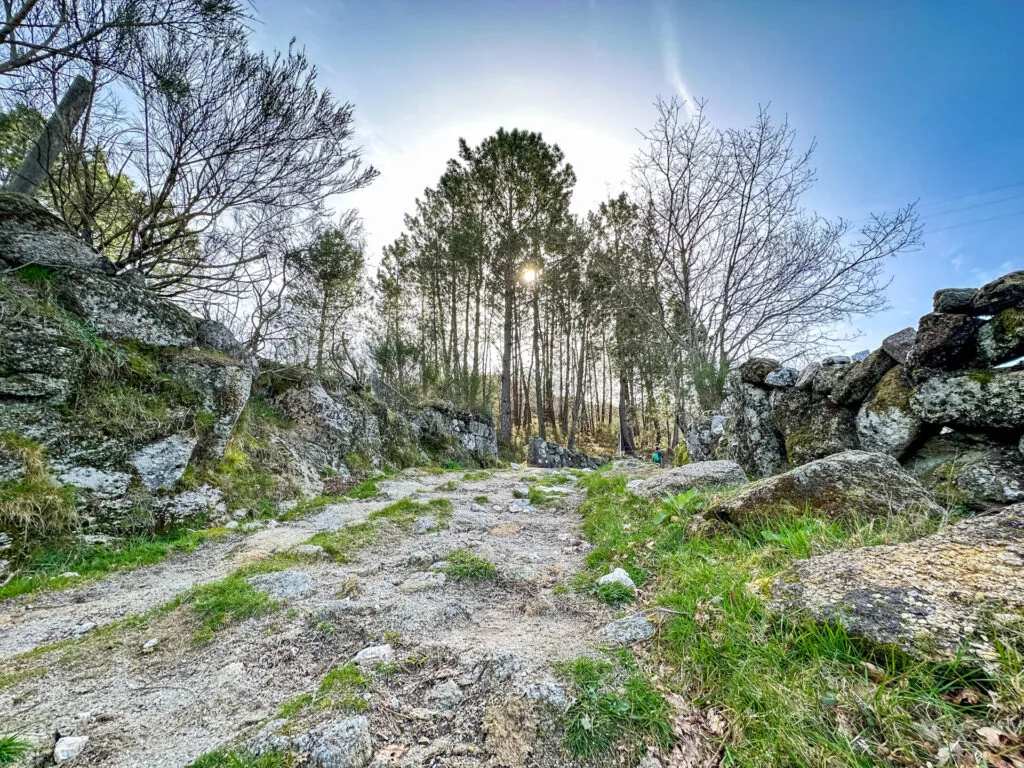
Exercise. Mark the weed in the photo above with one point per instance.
(478, 474)
(340, 545)
(480, 499)
(392, 637)
(36, 274)
(403, 512)
(613, 593)
(10, 679)
(465, 565)
(13, 749)
(451, 466)
(449, 486)
(358, 464)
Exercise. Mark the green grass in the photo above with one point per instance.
(236, 759)
(478, 474)
(613, 593)
(544, 499)
(794, 692)
(12, 749)
(449, 486)
(481, 499)
(365, 490)
(463, 565)
(225, 602)
(341, 544)
(404, 511)
(340, 690)
(10, 679)
(616, 709)
(43, 567)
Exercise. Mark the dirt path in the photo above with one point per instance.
(477, 641)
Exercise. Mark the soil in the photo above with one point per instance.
(497, 640)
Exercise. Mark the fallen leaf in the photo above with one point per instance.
(966, 697)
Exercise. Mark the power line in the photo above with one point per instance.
(972, 194)
(976, 205)
(976, 221)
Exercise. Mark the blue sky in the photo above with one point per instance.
(907, 100)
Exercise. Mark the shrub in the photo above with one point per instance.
(33, 506)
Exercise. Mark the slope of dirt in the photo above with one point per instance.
(466, 651)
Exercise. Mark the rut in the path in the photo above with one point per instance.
(166, 707)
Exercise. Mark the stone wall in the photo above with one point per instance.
(946, 399)
(540, 453)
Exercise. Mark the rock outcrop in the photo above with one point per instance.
(934, 598)
(540, 453)
(851, 485)
(111, 381)
(954, 379)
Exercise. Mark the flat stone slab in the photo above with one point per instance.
(700, 474)
(284, 585)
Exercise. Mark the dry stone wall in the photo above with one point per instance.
(945, 399)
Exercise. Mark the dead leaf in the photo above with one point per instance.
(966, 697)
(697, 734)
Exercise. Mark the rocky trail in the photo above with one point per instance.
(468, 663)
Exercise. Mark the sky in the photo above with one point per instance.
(907, 100)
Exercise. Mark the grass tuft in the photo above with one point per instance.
(340, 690)
(13, 749)
(221, 603)
(33, 506)
(465, 565)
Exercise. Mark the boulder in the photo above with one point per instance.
(1002, 293)
(161, 464)
(885, 422)
(944, 342)
(541, 453)
(982, 399)
(1002, 338)
(749, 438)
(849, 485)
(826, 379)
(117, 309)
(969, 470)
(934, 597)
(860, 378)
(899, 344)
(837, 360)
(958, 301)
(375, 654)
(703, 474)
(215, 335)
(68, 748)
(754, 370)
(30, 234)
(335, 744)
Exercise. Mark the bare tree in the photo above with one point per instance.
(742, 267)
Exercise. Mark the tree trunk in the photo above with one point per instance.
(538, 368)
(578, 400)
(38, 161)
(625, 428)
(505, 434)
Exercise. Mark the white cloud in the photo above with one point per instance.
(670, 52)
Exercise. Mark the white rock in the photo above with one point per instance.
(71, 575)
(375, 654)
(69, 747)
(618, 576)
(149, 645)
(81, 629)
(97, 482)
(231, 525)
(445, 696)
(423, 525)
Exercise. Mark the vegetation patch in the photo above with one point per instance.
(340, 691)
(615, 710)
(13, 749)
(464, 565)
(477, 474)
(225, 602)
(403, 512)
(252, 474)
(45, 566)
(340, 545)
(448, 487)
(237, 759)
(794, 692)
(365, 490)
(480, 499)
(33, 506)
